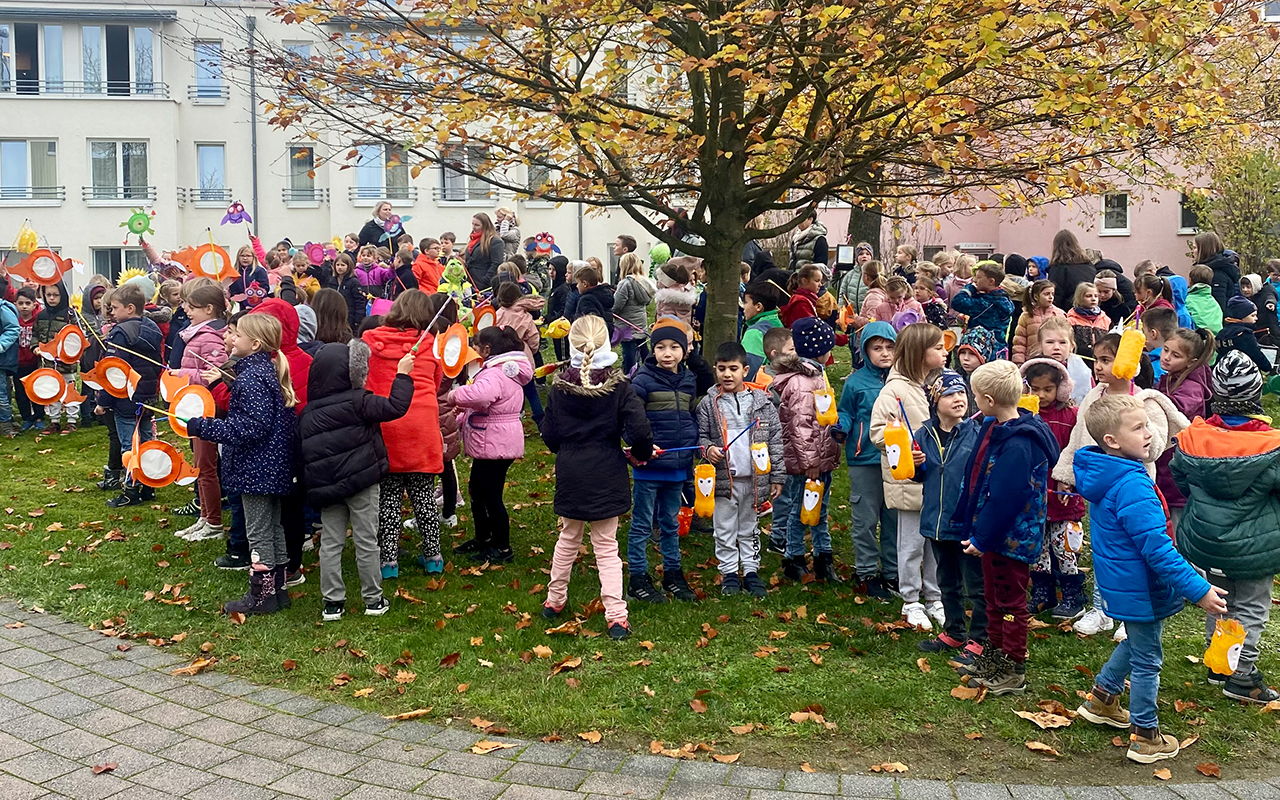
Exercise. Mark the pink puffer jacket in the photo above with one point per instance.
(520, 319)
(201, 340)
(805, 443)
(490, 407)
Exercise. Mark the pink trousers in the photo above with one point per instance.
(604, 540)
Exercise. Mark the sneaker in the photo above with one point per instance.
(411, 524)
(71, 428)
(916, 616)
(1253, 689)
(493, 555)
(550, 611)
(235, 561)
(942, 644)
(1216, 678)
(990, 663)
(129, 496)
(966, 657)
(206, 532)
(794, 568)
(308, 544)
(27, 426)
(378, 609)
(391, 570)
(730, 584)
(1148, 745)
(619, 631)
(936, 612)
(295, 578)
(779, 548)
(674, 581)
(54, 429)
(434, 565)
(641, 588)
(471, 546)
(765, 509)
(1121, 634)
(892, 585)
(1093, 622)
(190, 529)
(877, 588)
(332, 611)
(1011, 679)
(1103, 708)
(753, 586)
(450, 521)
(191, 509)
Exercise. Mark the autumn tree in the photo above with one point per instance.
(737, 108)
(1242, 203)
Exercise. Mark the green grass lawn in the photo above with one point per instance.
(65, 552)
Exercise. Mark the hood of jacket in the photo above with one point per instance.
(1226, 463)
(644, 287)
(288, 316)
(1097, 472)
(338, 368)
(1223, 263)
(1027, 426)
(62, 309)
(87, 296)
(871, 331)
(680, 295)
(790, 367)
(514, 365)
(1065, 385)
(531, 303)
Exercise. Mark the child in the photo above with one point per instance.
(918, 352)
(403, 278)
(1239, 320)
(349, 287)
(961, 276)
(171, 296)
(1263, 295)
(28, 359)
(1002, 516)
(985, 303)
(445, 313)
(675, 296)
(1110, 300)
(728, 410)
(1153, 291)
(1186, 381)
(876, 564)
(946, 442)
(1204, 310)
(853, 285)
(493, 436)
(778, 344)
(8, 364)
(898, 301)
(810, 452)
(803, 287)
(589, 411)
(301, 274)
(427, 267)
(344, 458)
(874, 282)
(904, 262)
(1057, 342)
(257, 443)
(925, 292)
(760, 313)
(55, 316)
(1089, 322)
(1142, 578)
(373, 276)
(669, 392)
(1047, 378)
(631, 305)
(1037, 306)
(1158, 324)
(976, 347)
(516, 311)
(203, 351)
(448, 240)
(594, 297)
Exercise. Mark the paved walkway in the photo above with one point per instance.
(70, 700)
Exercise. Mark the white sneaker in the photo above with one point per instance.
(190, 529)
(309, 544)
(207, 531)
(1093, 621)
(936, 613)
(411, 524)
(450, 522)
(1120, 635)
(916, 616)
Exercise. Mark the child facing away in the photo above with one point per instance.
(1002, 518)
(631, 307)
(1089, 322)
(594, 298)
(1058, 565)
(493, 437)
(445, 313)
(760, 315)
(946, 442)
(876, 564)
(985, 303)
(669, 392)
(9, 331)
(55, 316)
(1037, 306)
(749, 467)
(257, 453)
(961, 274)
(1204, 310)
(1239, 320)
(1263, 295)
(1158, 324)
(515, 311)
(590, 410)
(1187, 382)
(344, 459)
(810, 452)
(28, 360)
(1058, 343)
(918, 353)
(1153, 291)
(676, 295)
(1142, 577)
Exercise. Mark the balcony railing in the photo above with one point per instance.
(316, 195)
(463, 194)
(208, 94)
(372, 193)
(199, 196)
(130, 193)
(44, 194)
(151, 90)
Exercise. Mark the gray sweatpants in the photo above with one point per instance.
(263, 529)
(360, 511)
(1250, 602)
(737, 540)
(866, 499)
(917, 568)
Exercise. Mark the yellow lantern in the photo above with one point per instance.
(811, 503)
(704, 484)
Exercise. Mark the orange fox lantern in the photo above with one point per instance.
(1223, 655)
(66, 346)
(45, 386)
(43, 267)
(897, 446)
(111, 375)
(811, 503)
(704, 484)
(189, 402)
(157, 463)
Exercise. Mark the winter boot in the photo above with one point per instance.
(129, 496)
(824, 568)
(1011, 679)
(111, 480)
(1253, 689)
(673, 581)
(252, 599)
(1042, 593)
(1147, 745)
(1072, 605)
(753, 586)
(795, 568)
(1103, 708)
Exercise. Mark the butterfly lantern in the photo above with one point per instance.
(42, 267)
(46, 386)
(236, 214)
(391, 227)
(138, 223)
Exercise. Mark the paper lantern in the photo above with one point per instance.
(1075, 536)
(760, 457)
(811, 503)
(157, 463)
(897, 447)
(704, 485)
(485, 317)
(45, 386)
(1129, 354)
(42, 266)
(66, 346)
(453, 350)
(824, 404)
(949, 339)
(111, 375)
(1030, 402)
(557, 329)
(170, 384)
(188, 403)
(1223, 655)
(212, 262)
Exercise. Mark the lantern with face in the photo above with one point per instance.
(704, 484)
(236, 214)
(811, 503)
(760, 457)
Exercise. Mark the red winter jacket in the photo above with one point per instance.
(414, 443)
(299, 362)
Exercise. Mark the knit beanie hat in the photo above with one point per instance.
(1239, 307)
(670, 329)
(1237, 385)
(863, 247)
(813, 337)
(981, 341)
(1015, 264)
(1254, 281)
(948, 382)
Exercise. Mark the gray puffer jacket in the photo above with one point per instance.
(631, 303)
(717, 412)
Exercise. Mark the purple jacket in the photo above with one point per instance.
(1192, 399)
(376, 275)
(490, 407)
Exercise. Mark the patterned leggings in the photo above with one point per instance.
(1055, 549)
(422, 490)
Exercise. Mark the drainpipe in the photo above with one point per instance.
(581, 245)
(253, 114)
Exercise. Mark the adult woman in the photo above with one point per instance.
(1068, 267)
(375, 229)
(1207, 249)
(504, 219)
(485, 251)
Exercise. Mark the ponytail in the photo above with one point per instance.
(1156, 285)
(1200, 343)
(282, 375)
(1032, 293)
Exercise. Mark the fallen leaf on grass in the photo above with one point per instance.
(1117, 741)
(450, 661)
(236, 618)
(484, 747)
(593, 737)
(1085, 671)
(923, 664)
(1187, 742)
(289, 665)
(965, 692)
(481, 723)
(889, 766)
(1209, 770)
(973, 737)
(414, 714)
(1183, 705)
(647, 645)
(110, 766)
(1162, 774)
(341, 679)
(804, 767)
(195, 667)
(775, 635)
(698, 706)
(567, 663)
(725, 758)
(463, 687)
(542, 651)
(817, 659)
(1044, 720)
(404, 676)
(403, 595)
(1041, 747)
(742, 730)
(76, 587)
(362, 692)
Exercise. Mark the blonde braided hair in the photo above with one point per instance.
(588, 335)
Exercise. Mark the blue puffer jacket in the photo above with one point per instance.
(1178, 285)
(257, 435)
(943, 476)
(857, 398)
(1003, 511)
(8, 336)
(1141, 577)
(138, 341)
(670, 402)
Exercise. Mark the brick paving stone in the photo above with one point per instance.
(84, 785)
(313, 785)
(288, 725)
(22, 657)
(237, 710)
(468, 764)
(982, 791)
(597, 759)
(342, 739)
(192, 696)
(460, 787)
(220, 731)
(83, 655)
(64, 705)
(90, 684)
(129, 761)
(299, 706)
(174, 778)
(34, 726)
(449, 739)
(12, 747)
(704, 791)
(107, 721)
(818, 783)
(28, 689)
(170, 715)
(209, 680)
(415, 755)
(774, 794)
(551, 754)
(755, 777)
(543, 775)
(269, 745)
(54, 671)
(412, 731)
(334, 762)
(254, 770)
(331, 714)
(367, 792)
(632, 786)
(128, 699)
(147, 737)
(1248, 790)
(536, 793)
(701, 772)
(39, 766)
(198, 754)
(231, 789)
(867, 786)
(235, 687)
(1146, 792)
(269, 697)
(12, 788)
(140, 793)
(649, 766)
(1199, 791)
(391, 775)
(11, 708)
(75, 743)
(1023, 792)
(153, 682)
(1092, 793)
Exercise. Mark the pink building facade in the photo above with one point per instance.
(1125, 228)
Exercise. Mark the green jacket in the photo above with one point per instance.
(1232, 520)
(1204, 310)
(753, 339)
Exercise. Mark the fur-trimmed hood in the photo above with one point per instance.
(685, 295)
(1066, 386)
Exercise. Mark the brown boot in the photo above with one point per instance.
(1103, 708)
(1147, 745)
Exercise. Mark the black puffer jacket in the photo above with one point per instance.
(1066, 277)
(1226, 278)
(342, 448)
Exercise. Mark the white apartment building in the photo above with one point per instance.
(106, 107)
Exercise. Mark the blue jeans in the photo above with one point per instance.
(633, 351)
(645, 495)
(535, 401)
(237, 539)
(795, 529)
(1137, 658)
(782, 505)
(6, 401)
(124, 429)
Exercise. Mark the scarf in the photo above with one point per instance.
(1088, 312)
(601, 359)
(475, 240)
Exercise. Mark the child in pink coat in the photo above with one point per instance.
(515, 311)
(493, 436)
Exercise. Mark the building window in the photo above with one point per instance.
(382, 171)
(1115, 214)
(92, 70)
(6, 58)
(539, 176)
(111, 261)
(1271, 11)
(29, 170)
(144, 46)
(457, 186)
(119, 171)
(211, 173)
(302, 175)
(53, 58)
(1188, 220)
(208, 71)
(299, 50)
